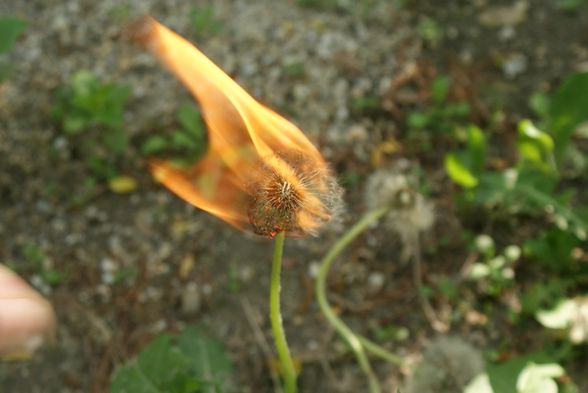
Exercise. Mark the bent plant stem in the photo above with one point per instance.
(358, 344)
(288, 370)
(417, 271)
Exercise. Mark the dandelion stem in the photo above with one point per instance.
(358, 344)
(417, 275)
(288, 370)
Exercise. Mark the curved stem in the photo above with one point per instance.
(417, 274)
(357, 343)
(288, 370)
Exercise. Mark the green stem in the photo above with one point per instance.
(288, 370)
(357, 343)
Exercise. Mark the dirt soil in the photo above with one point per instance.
(178, 265)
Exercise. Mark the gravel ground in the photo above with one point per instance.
(345, 55)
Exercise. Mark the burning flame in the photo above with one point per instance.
(260, 173)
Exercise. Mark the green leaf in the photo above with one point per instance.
(476, 149)
(155, 144)
(74, 123)
(189, 118)
(503, 377)
(182, 140)
(161, 367)
(569, 107)
(190, 363)
(440, 89)
(553, 248)
(418, 119)
(10, 28)
(535, 147)
(209, 359)
(458, 171)
(540, 103)
(569, 5)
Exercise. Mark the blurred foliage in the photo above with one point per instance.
(185, 144)
(10, 28)
(189, 363)
(88, 102)
(203, 21)
(430, 31)
(440, 117)
(93, 112)
(37, 259)
(567, 110)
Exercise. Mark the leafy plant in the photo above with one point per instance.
(532, 373)
(466, 166)
(189, 363)
(440, 117)
(95, 109)
(88, 102)
(10, 28)
(568, 108)
(186, 144)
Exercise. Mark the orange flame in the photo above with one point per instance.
(260, 171)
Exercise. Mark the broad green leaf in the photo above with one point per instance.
(553, 248)
(569, 107)
(503, 377)
(161, 367)
(10, 28)
(458, 171)
(190, 363)
(207, 356)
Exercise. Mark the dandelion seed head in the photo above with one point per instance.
(448, 365)
(292, 197)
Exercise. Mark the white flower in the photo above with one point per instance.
(538, 378)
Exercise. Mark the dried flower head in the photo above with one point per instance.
(298, 200)
(448, 365)
(410, 213)
(260, 171)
